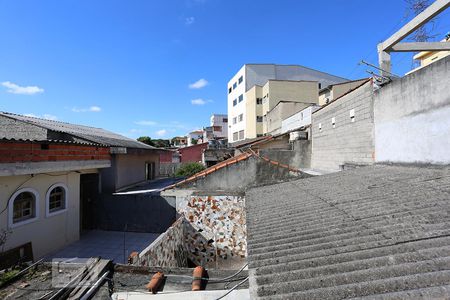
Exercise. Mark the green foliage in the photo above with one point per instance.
(5, 277)
(194, 141)
(189, 169)
(159, 143)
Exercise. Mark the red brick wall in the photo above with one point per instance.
(166, 156)
(192, 153)
(11, 152)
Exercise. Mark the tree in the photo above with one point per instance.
(189, 169)
(159, 143)
(146, 140)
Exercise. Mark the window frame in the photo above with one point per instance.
(48, 213)
(11, 223)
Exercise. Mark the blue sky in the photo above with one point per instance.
(160, 68)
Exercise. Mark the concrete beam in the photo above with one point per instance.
(384, 61)
(424, 46)
(12, 169)
(434, 9)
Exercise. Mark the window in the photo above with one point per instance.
(259, 118)
(23, 207)
(258, 100)
(234, 102)
(320, 85)
(234, 120)
(333, 122)
(241, 97)
(217, 128)
(235, 136)
(225, 120)
(352, 115)
(241, 117)
(56, 199)
(240, 79)
(229, 90)
(241, 134)
(234, 85)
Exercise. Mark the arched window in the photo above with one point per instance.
(23, 207)
(56, 199)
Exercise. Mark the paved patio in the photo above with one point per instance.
(114, 245)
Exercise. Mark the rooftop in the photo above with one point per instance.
(89, 134)
(379, 232)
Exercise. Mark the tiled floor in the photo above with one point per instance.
(113, 245)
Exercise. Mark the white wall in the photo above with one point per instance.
(296, 121)
(412, 117)
(47, 234)
(235, 111)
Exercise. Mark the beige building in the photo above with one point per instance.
(428, 57)
(282, 111)
(260, 100)
(334, 91)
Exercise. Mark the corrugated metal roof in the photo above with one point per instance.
(90, 134)
(52, 141)
(380, 232)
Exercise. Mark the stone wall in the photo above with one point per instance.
(168, 250)
(211, 232)
(217, 233)
(348, 141)
(412, 117)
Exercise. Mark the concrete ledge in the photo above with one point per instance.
(11, 169)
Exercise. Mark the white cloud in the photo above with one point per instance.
(189, 21)
(21, 90)
(44, 116)
(161, 132)
(89, 109)
(95, 108)
(146, 123)
(201, 83)
(200, 101)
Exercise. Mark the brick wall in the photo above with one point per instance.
(348, 142)
(166, 156)
(11, 152)
(192, 153)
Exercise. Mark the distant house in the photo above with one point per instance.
(51, 171)
(194, 137)
(192, 153)
(218, 128)
(179, 141)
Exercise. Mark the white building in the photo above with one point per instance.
(219, 124)
(258, 74)
(196, 135)
(300, 119)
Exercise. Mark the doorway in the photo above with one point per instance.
(149, 170)
(89, 194)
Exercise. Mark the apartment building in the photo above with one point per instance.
(245, 119)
